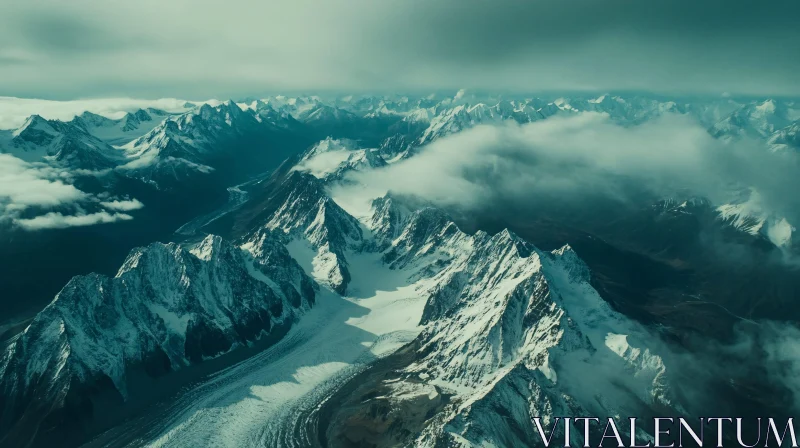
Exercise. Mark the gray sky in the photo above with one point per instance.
(200, 49)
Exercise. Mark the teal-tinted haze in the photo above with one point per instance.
(201, 49)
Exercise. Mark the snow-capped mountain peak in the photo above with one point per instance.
(169, 306)
(64, 143)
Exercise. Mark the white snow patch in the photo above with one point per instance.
(618, 343)
(171, 320)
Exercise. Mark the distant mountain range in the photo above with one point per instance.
(154, 137)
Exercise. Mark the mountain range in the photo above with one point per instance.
(311, 311)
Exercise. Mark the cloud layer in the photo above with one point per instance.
(568, 160)
(209, 49)
(30, 191)
(55, 220)
(23, 185)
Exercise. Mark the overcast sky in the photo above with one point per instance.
(201, 49)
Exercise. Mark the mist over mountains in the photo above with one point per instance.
(390, 270)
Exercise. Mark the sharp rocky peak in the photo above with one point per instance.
(169, 306)
(302, 210)
(507, 326)
(65, 143)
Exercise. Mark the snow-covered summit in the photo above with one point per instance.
(509, 327)
(331, 159)
(63, 143)
(120, 131)
(749, 215)
(756, 120)
(301, 212)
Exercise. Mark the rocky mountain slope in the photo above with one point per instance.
(492, 308)
(169, 306)
(507, 331)
(62, 143)
(121, 130)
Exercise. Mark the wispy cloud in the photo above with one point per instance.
(55, 220)
(123, 206)
(25, 185)
(566, 159)
(29, 192)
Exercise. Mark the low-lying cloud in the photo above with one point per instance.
(123, 206)
(55, 220)
(24, 185)
(570, 159)
(762, 356)
(778, 346)
(36, 196)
